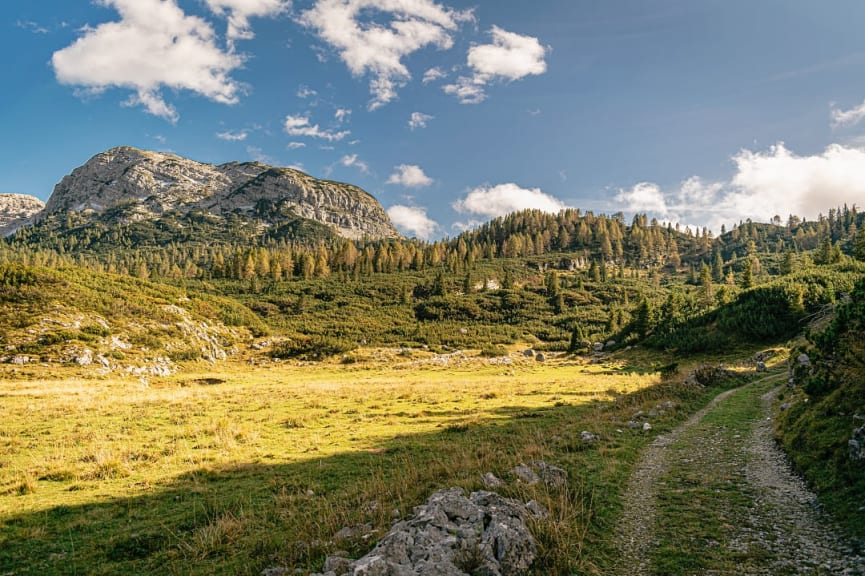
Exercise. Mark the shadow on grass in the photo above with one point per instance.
(240, 519)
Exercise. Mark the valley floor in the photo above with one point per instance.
(717, 496)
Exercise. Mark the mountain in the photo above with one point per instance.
(125, 185)
(16, 210)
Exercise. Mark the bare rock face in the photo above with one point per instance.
(16, 210)
(150, 184)
(452, 535)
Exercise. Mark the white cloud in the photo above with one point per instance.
(239, 12)
(301, 126)
(410, 176)
(350, 160)
(306, 92)
(342, 114)
(413, 220)
(369, 47)
(230, 136)
(433, 74)
(848, 117)
(295, 145)
(154, 45)
(494, 201)
(775, 182)
(258, 155)
(419, 120)
(510, 57)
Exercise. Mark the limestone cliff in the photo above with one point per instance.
(151, 184)
(16, 210)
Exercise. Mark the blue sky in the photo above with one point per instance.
(703, 112)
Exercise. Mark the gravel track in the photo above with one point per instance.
(782, 518)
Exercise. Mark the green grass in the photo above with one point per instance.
(233, 470)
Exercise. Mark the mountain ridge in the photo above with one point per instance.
(149, 185)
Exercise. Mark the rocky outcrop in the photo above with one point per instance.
(17, 210)
(452, 535)
(148, 185)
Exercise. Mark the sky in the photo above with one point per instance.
(451, 113)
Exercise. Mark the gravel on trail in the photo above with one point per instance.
(782, 517)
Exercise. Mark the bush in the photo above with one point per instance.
(311, 348)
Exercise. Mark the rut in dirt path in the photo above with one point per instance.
(779, 529)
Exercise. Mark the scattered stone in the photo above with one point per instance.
(632, 424)
(598, 347)
(587, 436)
(353, 532)
(760, 367)
(803, 360)
(553, 476)
(20, 360)
(610, 343)
(541, 358)
(857, 445)
(785, 406)
(451, 535)
(646, 426)
(529, 353)
(537, 509)
(491, 481)
(525, 474)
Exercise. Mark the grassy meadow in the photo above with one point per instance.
(232, 468)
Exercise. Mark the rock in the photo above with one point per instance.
(760, 367)
(587, 436)
(598, 347)
(803, 359)
(529, 353)
(541, 358)
(141, 185)
(16, 210)
(84, 358)
(610, 343)
(784, 406)
(856, 445)
(451, 535)
(491, 481)
(353, 532)
(20, 360)
(646, 426)
(552, 476)
(632, 424)
(525, 474)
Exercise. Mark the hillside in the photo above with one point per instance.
(113, 324)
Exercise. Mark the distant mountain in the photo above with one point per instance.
(125, 185)
(16, 210)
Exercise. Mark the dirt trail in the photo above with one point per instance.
(779, 518)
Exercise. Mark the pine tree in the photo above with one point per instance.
(859, 245)
(577, 338)
(746, 280)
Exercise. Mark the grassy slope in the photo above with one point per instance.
(823, 410)
(232, 471)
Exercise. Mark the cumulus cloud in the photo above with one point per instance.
(510, 57)
(230, 136)
(355, 30)
(419, 120)
(494, 201)
(342, 114)
(413, 220)
(295, 145)
(153, 45)
(239, 12)
(350, 160)
(301, 126)
(410, 176)
(766, 184)
(433, 74)
(306, 92)
(848, 117)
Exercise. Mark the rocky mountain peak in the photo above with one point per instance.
(16, 210)
(149, 185)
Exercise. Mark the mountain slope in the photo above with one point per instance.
(16, 210)
(124, 185)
